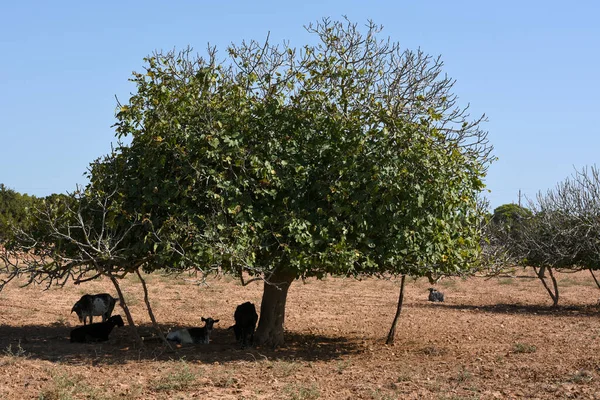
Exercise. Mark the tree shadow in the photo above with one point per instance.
(51, 343)
(516, 309)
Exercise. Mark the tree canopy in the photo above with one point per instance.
(347, 157)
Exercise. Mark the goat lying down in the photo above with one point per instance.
(245, 323)
(435, 296)
(194, 335)
(97, 332)
(94, 304)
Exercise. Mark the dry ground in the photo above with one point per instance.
(496, 338)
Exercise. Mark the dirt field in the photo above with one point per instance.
(495, 338)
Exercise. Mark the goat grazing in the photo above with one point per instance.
(97, 332)
(194, 335)
(435, 296)
(94, 304)
(245, 323)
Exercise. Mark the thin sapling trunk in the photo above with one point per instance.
(132, 327)
(594, 276)
(150, 312)
(392, 333)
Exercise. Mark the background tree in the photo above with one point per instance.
(346, 157)
(509, 214)
(14, 207)
(80, 237)
(562, 231)
(498, 228)
(573, 209)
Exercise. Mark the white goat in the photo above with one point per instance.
(194, 335)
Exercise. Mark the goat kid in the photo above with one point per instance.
(97, 332)
(245, 323)
(194, 335)
(94, 304)
(435, 296)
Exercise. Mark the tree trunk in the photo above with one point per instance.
(552, 292)
(542, 272)
(594, 276)
(150, 313)
(272, 309)
(123, 305)
(392, 334)
(555, 285)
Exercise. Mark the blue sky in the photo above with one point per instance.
(530, 66)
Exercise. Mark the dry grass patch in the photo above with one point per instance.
(179, 376)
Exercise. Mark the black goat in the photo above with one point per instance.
(97, 332)
(245, 323)
(94, 304)
(435, 296)
(194, 335)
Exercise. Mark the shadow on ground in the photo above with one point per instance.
(51, 343)
(516, 309)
